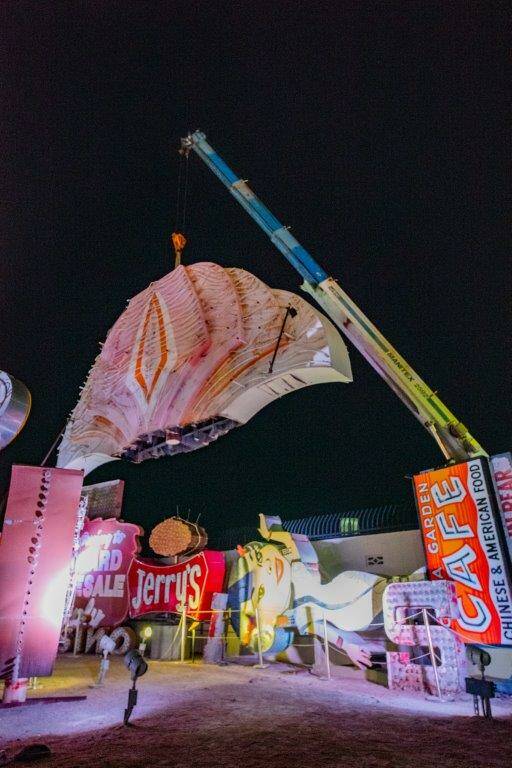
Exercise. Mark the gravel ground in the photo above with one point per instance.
(237, 716)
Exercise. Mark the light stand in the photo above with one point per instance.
(134, 661)
(481, 689)
(106, 646)
(132, 701)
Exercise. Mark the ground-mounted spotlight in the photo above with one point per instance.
(106, 646)
(482, 690)
(137, 667)
(145, 636)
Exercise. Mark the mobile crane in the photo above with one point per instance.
(450, 434)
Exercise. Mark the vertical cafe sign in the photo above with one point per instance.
(464, 544)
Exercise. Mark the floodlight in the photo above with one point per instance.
(480, 657)
(133, 661)
(106, 645)
(145, 636)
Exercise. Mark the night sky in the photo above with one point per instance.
(378, 131)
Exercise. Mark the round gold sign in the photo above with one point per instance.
(175, 536)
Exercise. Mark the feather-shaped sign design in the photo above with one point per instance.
(198, 352)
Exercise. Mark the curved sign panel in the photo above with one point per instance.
(15, 402)
(195, 354)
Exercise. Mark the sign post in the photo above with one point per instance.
(326, 648)
(183, 631)
(433, 659)
(213, 652)
(260, 664)
(78, 633)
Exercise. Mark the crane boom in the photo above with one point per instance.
(450, 434)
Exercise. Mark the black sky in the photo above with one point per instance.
(377, 130)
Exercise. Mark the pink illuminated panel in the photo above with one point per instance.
(35, 558)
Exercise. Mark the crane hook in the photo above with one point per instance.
(179, 242)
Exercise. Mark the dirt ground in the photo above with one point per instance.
(192, 715)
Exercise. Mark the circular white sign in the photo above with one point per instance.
(5, 391)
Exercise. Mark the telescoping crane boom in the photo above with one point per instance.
(450, 434)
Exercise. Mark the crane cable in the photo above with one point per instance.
(178, 239)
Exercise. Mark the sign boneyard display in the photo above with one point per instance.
(112, 584)
(464, 543)
(277, 593)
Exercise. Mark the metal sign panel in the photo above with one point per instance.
(502, 475)
(104, 500)
(35, 559)
(410, 669)
(464, 544)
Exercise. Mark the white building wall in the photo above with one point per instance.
(388, 554)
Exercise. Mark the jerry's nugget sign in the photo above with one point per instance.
(464, 544)
(111, 582)
(167, 588)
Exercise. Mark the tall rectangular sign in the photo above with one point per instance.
(502, 476)
(35, 559)
(464, 543)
